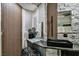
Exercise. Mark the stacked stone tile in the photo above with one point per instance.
(74, 8)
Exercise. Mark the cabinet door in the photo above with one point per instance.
(11, 27)
(52, 20)
(51, 52)
(69, 53)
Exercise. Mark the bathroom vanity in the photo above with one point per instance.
(60, 27)
(41, 47)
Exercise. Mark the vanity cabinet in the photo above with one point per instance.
(41, 49)
(36, 50)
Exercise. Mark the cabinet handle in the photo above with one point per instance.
(52, 26)
(51, 19)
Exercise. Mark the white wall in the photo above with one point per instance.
(35, 15)
(33, 19)
(39, 16)
(0, 28)
(43, 18)
(26, 24)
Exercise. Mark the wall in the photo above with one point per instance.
(0, 28)
(26, 24)
(35, 15)
(74, 8)
(33, 19)
(43, 17)
(38, 16)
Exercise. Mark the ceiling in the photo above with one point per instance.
(29, 6)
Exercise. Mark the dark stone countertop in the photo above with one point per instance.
(43, 44)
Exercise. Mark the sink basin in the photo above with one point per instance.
(59, 43)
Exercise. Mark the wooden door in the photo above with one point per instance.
(11, 28)
(52, 20)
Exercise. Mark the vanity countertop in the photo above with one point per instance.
(43, 44)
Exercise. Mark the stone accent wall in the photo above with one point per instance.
(74, 8)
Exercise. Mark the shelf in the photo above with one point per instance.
(66, 10)
(67, 33)
(66, 24)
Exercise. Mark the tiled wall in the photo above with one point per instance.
(39, 16)
(74, 8)
(43, 18)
